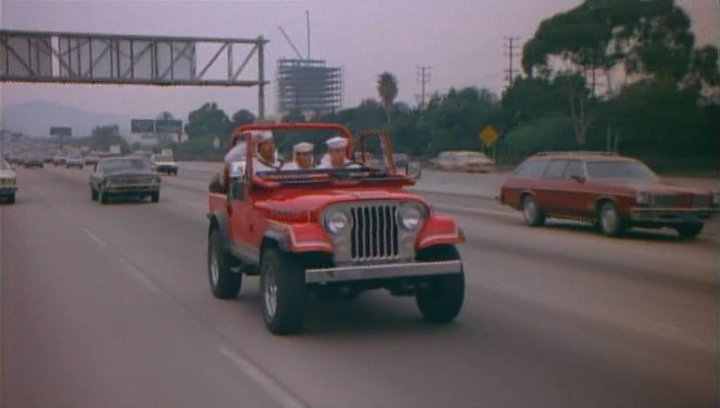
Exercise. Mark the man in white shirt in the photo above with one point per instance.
(302, 157)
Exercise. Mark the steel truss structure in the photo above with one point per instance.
(308, 86)
(90, 58)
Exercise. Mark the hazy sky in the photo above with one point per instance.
(461, 39)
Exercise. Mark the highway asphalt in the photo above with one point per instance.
(109, 306)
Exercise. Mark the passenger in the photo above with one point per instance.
(302, 157)
(234, 161)
(266, 158)
(336, 157)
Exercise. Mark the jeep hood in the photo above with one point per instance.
(300, 202)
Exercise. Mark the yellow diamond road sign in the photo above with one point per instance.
(488, 135)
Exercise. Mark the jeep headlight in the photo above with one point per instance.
(410, 217)
(642, 197)
(336, 222)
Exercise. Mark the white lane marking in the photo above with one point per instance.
(95, 238)
(272, 387)
(139, 275)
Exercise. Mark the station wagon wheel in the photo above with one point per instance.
(224, 283)
(610, 221)
(534, 216)
(283, 291)
(689, 230)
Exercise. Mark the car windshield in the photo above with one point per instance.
(163, 158)
(4, 165)
(619, 169)
(114, 166)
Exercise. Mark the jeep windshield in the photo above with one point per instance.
(320, 175)
(616, 169)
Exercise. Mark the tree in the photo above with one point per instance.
(242, 117)
(387, 90)
(105, 136)
(207, 122)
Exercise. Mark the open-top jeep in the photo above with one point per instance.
(330, 233)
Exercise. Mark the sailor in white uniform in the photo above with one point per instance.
(302, 157)
(336, 157)
(266, 157)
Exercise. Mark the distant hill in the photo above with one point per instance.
(35, 119)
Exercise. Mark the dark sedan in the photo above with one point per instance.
(124, 177)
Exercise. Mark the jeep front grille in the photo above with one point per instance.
(374, 234)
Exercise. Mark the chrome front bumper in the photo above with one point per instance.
(671, 215)
(386, 271)
(133, 189)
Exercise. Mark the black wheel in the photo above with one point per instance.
(610, 221)
(283, 292)
(155, 197)
(93, 194)
(689, 230)
(442, 299)
(224, 283)
(11, 199)
(534, 216)
(103, 197)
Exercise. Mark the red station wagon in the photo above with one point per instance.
(612, 191)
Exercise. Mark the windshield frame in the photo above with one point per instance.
(103, 165)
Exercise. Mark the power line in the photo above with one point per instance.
(423, 77)
(510, 45)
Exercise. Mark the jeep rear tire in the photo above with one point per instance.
(283, 292)
(441, 301)
(224, 283)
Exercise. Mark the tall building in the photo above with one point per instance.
(308, 86)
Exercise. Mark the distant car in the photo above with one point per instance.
(58, 160)
(34, 160)
(164, 164)
(74, 161)
(612, 191)
(8, 182)
(124, 177)
(91, 160)
(464, 161)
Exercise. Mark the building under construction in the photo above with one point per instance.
(308, 86)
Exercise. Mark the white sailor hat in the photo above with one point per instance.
(337, 142)
(262, 136)
(303, 147)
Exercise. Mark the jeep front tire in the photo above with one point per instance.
(441, 300)
(283, 292)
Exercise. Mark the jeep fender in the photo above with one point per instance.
(439, 229)
(218, 219)
(306, 237)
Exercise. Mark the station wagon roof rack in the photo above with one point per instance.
(576, 153)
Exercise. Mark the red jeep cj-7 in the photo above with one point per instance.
(330, 232)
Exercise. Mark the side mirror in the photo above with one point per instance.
(413, 170)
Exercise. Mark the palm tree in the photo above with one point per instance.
(388, 90)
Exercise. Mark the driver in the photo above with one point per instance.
(302, 157)
(266, 158)
(337, 154)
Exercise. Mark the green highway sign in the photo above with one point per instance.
(60, 131)
(142, 126)
(168, 126)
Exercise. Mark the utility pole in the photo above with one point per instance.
(510, 46)
(423, 76)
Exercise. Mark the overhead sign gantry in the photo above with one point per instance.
(90, 58)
